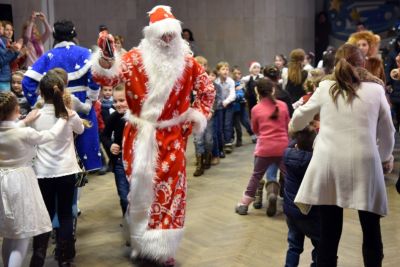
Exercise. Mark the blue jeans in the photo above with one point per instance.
(122, 184)
(298, 230)
(218, 138)
(241, 117)
(272, 172)
(228, 124)
(204, 142)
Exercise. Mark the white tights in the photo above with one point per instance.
(14, 251)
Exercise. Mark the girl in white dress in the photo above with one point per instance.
(22, 210)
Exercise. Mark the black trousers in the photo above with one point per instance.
(331, 230)
(58, 194)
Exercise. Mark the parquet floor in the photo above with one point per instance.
(215, 236)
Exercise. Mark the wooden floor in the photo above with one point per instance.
(215, 235)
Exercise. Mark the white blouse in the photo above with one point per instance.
(57, 158)
(17, 143)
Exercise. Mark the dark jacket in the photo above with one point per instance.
(390, 64)
(284, 96)
(113, 133)
(296, 90)
(296, 162)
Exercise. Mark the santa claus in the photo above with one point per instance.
(159, 75)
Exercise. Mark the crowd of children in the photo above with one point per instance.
(261, 102)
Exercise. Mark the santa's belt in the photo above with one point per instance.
(139, 122)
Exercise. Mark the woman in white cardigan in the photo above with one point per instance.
(352, 150)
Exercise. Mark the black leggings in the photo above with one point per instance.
(331, 230)
(58, 194)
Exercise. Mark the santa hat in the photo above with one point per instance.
(162, 21)
(254, 64)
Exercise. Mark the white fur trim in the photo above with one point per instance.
(157, 29)
(193, 115)
(33, 75)
(166, 9)
(93, 94)
(79, 73)
(198, 119)
(64, 44)
(161, 244)
(98, 70)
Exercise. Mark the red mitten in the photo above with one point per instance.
(106, 44)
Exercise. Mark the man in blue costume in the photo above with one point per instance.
(75, 60)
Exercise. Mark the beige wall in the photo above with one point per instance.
(238, 31)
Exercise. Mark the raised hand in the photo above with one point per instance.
(106, 43)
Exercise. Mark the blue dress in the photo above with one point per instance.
(75, 60)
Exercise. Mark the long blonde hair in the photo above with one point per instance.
(295, 66)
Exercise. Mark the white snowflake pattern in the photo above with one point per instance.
(77, 67)
(175, 113)
(50, 55)
(165, 166)
(177, 144)
(172, 157)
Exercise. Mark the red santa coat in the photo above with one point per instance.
(154, 147)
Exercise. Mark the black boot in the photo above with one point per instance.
(40, 243)
(372, 257)
(199, 165)
(66, 250)
(207, 160)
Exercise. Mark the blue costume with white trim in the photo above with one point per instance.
(75, 60)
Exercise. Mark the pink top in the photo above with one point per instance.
(272, 135)
(34, 53)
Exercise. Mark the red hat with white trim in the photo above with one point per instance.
(162, 21)
(254, 64)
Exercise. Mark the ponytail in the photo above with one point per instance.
(347, 81)
(52, 89)
(348, 57)
(275, 114)
(265, 88)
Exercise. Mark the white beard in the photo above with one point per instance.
(164, 65)
(164, 60)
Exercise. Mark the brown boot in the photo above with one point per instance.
(207, 160)
(257, 204)
(215, 161)
(199, 166)
(40, 243)
(272, 189)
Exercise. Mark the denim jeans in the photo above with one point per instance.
(298, 229)
(272, 172)
(218, 138)
(240, 118)
(228, 124)
(122, 184)
(204, 142)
